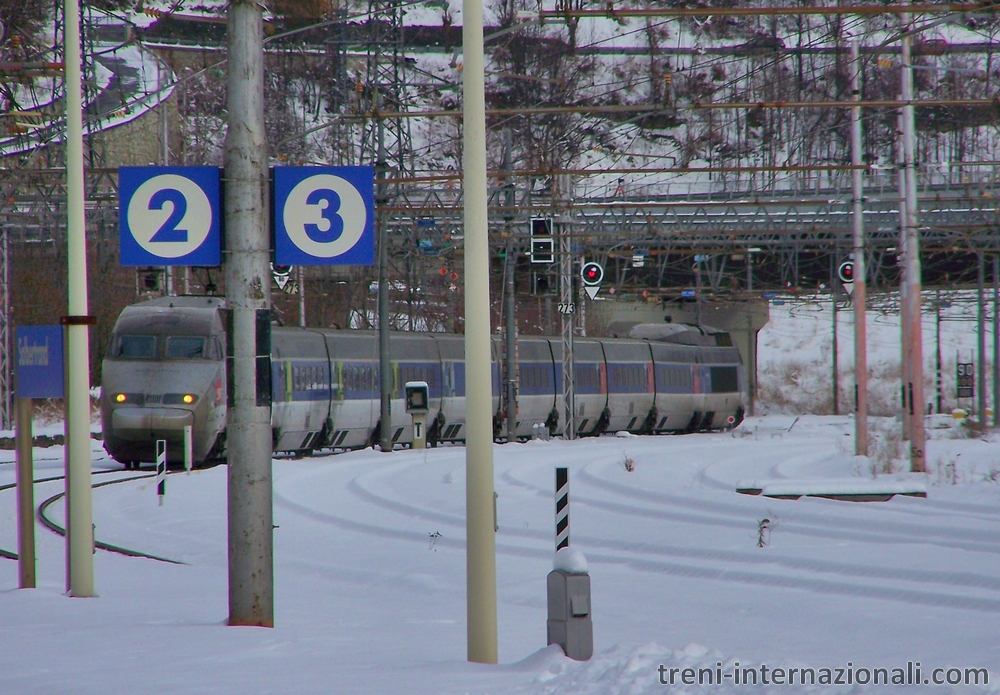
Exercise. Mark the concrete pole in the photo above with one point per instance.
(914, 338)
(79, 497)
(385, 380)
(996, 340)
(859, 296)
(981, 339)
(248, 294)
(480, 541)
(25, 494)
(510, 315)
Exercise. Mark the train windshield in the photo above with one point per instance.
(136, 347)
(185, 347)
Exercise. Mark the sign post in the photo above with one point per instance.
(39, 374)
(25, 494)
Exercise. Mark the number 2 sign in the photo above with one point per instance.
(169, 216)
(324, 215)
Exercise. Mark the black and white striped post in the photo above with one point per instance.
(161, 469)
(562, 508)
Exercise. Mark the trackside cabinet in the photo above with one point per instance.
(569, 624)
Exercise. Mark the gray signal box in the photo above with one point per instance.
(569, 624)
(417, 405)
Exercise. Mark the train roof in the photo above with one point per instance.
(182, 315)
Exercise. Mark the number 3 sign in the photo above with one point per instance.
(169, 216)
(324, 216)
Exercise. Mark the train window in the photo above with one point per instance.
(136, 347)
(185, 347)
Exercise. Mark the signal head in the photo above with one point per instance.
(592, 273)
(846, 272)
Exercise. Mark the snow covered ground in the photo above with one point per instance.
(370, 562)
(370, 600)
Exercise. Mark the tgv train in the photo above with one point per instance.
(166, 369)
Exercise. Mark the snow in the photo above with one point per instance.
(570, 561)
(370, 560)
(370, 571)
(833, 486)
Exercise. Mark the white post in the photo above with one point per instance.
(79, 498)
(859, 294)
(480, 541)
(914, 335)
(188, 445)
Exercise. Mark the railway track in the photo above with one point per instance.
(48, 523)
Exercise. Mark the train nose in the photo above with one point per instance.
(144, 424)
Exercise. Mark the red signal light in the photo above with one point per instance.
(592, 273)
(846, 271)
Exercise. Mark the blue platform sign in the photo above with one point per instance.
(324, 215)
(39, 362)
(169, 216)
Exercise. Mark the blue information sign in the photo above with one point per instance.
(39, 366)
(169, 216)
(324, 215)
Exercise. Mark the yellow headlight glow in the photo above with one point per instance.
(121, 398)
(188, 398)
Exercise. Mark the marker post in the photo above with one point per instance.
(161, 469)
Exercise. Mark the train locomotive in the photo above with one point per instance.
(165, 369)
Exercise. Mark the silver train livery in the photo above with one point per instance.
(165, 368)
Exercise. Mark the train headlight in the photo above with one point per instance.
(121, 398)
(188, 398)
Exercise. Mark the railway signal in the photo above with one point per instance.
(592, 274)
(846, 272)
(542, 245)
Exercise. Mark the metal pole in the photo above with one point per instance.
(859, 295)
(481, 594)
(168, 271)
(981, 336)
(79, 498)
(751, 370)
(25, 495)
(248, 294)
(904, 364)
(510, 316)
(6, 353)
(996, 341)
(937, 350)
(834, 348)
(915, 386)
(302, 296)
(385, 380)
(566, 309)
